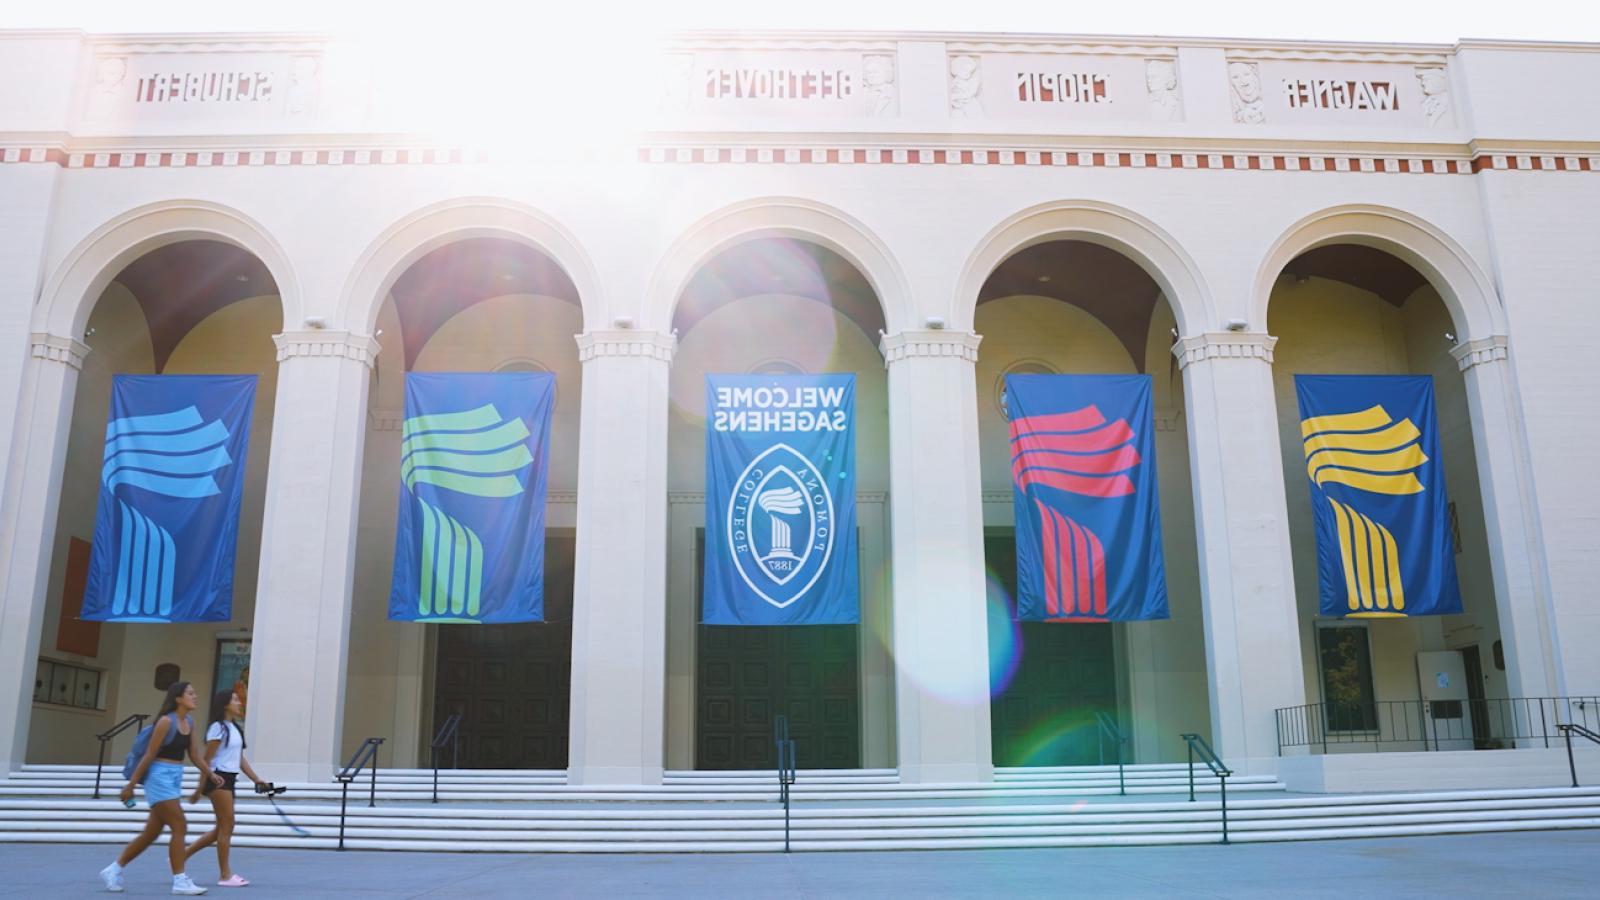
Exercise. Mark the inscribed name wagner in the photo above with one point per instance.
(204, 87)
(1062, 87)
(778, 84)
(1330, 93)
(762, 409)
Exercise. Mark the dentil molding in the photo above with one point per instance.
(910, 344)
(1494, 348)
(56, 348)
(1224, 345)
(341, 344)
(649, 344)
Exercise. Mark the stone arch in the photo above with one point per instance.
(72, 291)
(777, 217)
(1113, 227)
(1467, 291)
(431, 227)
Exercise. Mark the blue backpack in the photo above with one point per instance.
(141, 743)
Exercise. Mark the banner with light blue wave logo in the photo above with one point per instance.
(780, 543)
(474, 453)
(1371, 450)
(171, 479)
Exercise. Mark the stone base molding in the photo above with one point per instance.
(912, 344)
(1224, 345)
(56, 348)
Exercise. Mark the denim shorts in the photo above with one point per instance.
(164, 781)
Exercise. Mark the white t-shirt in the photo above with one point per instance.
(228, 753)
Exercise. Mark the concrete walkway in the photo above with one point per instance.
(1533, 864)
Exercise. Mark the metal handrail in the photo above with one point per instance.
(449, 733)
(787, 771)
(1197, 744)
(1567, 728)
(134, 721)
(1432, 725)
(1109, 729)
(365, 754)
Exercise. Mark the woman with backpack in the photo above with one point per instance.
(225, 753)
(160, 769)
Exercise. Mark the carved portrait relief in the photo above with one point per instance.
(1161, 80)
(677, 73)
(1435, 96)
(966, 82)
(1244, 89)
(304, 83)
(877, 76)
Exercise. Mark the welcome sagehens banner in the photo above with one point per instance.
(780, 543)
(1377, 493)
(1084, 494)
(474, 452)
(171, 479)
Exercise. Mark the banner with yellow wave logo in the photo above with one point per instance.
(469, 543)
(1371, 451)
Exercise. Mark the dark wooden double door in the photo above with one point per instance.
(512, 683)
(1048, 679)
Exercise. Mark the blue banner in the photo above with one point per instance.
(1083, 479)
(474, 452)
(171, 479)
(780, 500)
(1371, 448)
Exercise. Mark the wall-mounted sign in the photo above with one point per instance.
(176, 87)
(1063, 87)
(822, 83)
(1310, 92)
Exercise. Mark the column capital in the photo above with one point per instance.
(649, 344)
(343, 344)
(1494, 348)
(908, 344)
(54, 347)
(1224, 345)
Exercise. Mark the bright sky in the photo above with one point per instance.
(1441, 21)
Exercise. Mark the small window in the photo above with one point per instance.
(67, 685)
(1346, 665)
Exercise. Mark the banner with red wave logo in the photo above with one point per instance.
(1084, 487)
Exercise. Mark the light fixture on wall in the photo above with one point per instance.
(316, 322)
(623, 322)
(378, 333)
(1236, 324)
(935, 323)
(1450, 336)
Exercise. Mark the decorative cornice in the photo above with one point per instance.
(385, 418)
(1494, 348)
(56, 348)
(342, 344)
(695, 497)
(998, 496)
(561, 498)
(649, 344)
(1224, 345)
(1166, 419)
(908, 344)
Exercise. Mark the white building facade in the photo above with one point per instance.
(929, 212)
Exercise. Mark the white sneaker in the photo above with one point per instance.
(182, 884)
(112, 876)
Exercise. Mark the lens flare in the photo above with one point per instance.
(1005, 635)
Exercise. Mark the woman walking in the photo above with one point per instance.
(161, 771)
(225, 754)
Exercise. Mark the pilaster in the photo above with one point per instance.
(619, 621)
(941, 647)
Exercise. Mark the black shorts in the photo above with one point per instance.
(228, 778)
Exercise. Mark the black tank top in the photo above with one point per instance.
(176, 745)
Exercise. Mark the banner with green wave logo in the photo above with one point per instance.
(469, 543)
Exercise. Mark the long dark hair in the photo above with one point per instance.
(170, 704)
(219, 713)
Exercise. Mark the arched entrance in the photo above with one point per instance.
(776, 305)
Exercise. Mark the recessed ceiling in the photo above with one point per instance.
(780, 266)
(455, 276)
(179, 285)
(1367, 268)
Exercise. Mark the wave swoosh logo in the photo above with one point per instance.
(1078, 452)
(1368, 451)
(172, 454)
(477, 453)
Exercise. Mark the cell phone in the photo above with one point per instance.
(130, 803)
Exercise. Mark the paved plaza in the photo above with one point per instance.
(1527, 865)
